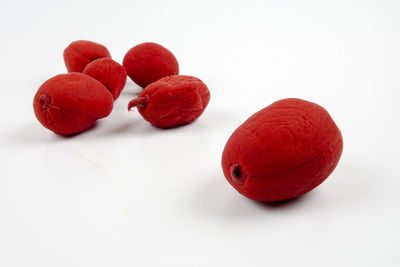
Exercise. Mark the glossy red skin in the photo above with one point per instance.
(149, 62)
(80, 53)
(172, 101)
(283, 151)
(110, 73)
(71, 103)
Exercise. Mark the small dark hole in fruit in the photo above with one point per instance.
(44, 101)
(237, 172)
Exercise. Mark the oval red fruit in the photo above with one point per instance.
(282, 151)
(172, 101)
(71, 103)
(80, 53)
(148, 62)
(110, 73)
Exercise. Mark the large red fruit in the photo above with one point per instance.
(172, 101)
(148, 62)
(71, 103)
(80, 53)
(282, 151)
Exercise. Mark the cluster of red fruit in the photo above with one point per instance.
(71, 103)
(281, 152)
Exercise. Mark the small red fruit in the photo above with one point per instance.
(80, 53)
(282, 151)
(71, 103)
(172, 101)
(110, 73)
(149, 62)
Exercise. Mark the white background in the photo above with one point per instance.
(127, 194)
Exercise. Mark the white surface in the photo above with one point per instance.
(128, 194)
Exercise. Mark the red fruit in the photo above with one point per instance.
(71, 103)
(282, 151)
(111, 74)
(80, 53)
(149, 62)
(172, 101)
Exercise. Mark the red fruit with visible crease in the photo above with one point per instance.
(110, 73)
(71, 103)
(283, 151)
(172, 101)
(80, 53)
(149, 62)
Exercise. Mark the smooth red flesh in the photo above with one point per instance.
(110, 73)
(80, 53)
(71, 103)
(282, 151)
(148, 62)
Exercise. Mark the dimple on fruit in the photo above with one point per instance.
(148, 62)
(110, 73)
(71, 103)
(283, 151)
(80, 53)
(172, 101)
